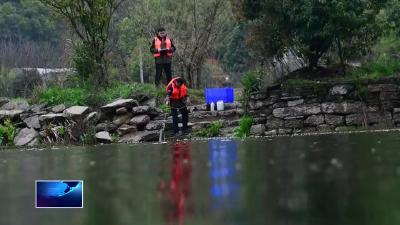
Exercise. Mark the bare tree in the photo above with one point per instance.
(90, 20)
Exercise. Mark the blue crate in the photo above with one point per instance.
(219, 94)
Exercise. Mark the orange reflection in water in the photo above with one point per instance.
(175, 192)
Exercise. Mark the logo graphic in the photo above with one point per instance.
(59, 194)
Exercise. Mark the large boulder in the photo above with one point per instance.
(119, 120)
(127, 103)
(140, 121)
(341, 89)
(258, 130)
(335, 120)
(341, 108)
(13, 114)
(16, 104)
(51, 118)
(32, 122)
(58, 108)
(154, 125)
(103, 137)
(106, 126)
(3, 101)
(91, 119)
(25, 137)
(76, 111)
(140, 136)
(315, 120)
(121, 111)
(303, 110)
(140, 110)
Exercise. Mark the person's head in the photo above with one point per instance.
(161, 32)
(179, 81)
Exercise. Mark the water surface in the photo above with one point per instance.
(335, 179)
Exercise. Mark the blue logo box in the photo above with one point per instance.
(59, 194)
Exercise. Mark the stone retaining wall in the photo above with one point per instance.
(335, 108)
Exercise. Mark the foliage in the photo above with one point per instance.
(8, 131)
(213, 130)
(27, 19)
(165, 108)
(244, 127)
(312, 27)
(67, 96)
(90, 20)
(251, 84)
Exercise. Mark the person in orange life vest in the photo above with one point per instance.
(177, 99)
(163, 49)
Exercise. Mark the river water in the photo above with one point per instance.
(314, 180)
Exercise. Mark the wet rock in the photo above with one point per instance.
(295, 102)
(140, 136)
(76, 111)
(154, 125)
(32, 122)
(335, 120)
(106, 126)
(279, 105)
(342, 89)
(324, 128)
(25, 136)
(103, 137)
(16, 104)
(119, 120)
(58, 108)
(259, 120)
(126, 129)
(121, 111)
(285, 131)
(127, 103)
(341, 108)
(140, 121)
(255, 105)
(304, 110)
(315, 120)
(258, 130)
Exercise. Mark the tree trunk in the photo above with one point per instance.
(341, 56)
(198, 77)
(141, 65)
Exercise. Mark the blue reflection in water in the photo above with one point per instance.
(225, 187)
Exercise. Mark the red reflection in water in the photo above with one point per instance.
(175, 193)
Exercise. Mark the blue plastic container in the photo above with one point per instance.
(219, 94)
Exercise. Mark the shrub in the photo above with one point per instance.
(7, 133)
(251, 84)
(213, 130)
(244, 127)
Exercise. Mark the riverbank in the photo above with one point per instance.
(301, 109)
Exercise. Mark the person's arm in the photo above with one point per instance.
(153, 48)
(173, 48)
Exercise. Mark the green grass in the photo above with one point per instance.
(213, 130)
(67, 96)
(8, 131)
(244, 128)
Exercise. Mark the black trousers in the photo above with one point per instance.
(159, 69)
(175, 120)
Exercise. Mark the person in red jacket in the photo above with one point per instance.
(177, 99)
(163, 49)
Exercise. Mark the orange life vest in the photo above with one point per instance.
(158, 45)
(178, 93)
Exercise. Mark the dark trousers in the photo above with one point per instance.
(185, 118)
(167, 70)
